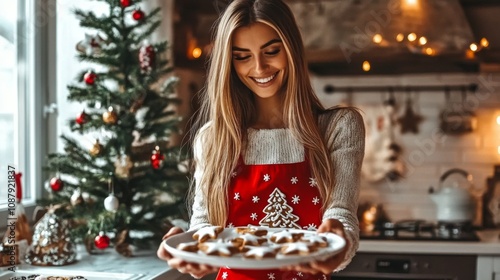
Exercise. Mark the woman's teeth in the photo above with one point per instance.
(265, 80)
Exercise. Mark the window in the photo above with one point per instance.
(22, 95)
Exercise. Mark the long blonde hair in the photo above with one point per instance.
(228, 105)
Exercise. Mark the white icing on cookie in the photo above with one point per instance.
(260, 252)
(217, 248)
(207, 232)
(296, 248)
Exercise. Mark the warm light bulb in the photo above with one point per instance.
(422, 41)
(412, 37)
(366, 66)
(429, 51)
(473, 47)
(377, 38)
(400, 37)
(498, 150)
(484, 42)
(498, 120)
(411, 2)
(196, 52)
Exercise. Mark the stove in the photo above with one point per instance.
(414, 230)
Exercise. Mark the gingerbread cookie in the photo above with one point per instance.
(285, 236)
(259, 231)
(248, 239)
(316, 240)
(206, 233)
(298, 248)
(218, 248)
(188, 246)
(259, 253)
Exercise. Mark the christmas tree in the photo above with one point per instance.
(131, 183)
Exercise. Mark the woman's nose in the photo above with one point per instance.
(260, 64)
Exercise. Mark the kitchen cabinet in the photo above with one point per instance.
(488, 267)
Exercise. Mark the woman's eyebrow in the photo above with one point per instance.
(262, 47)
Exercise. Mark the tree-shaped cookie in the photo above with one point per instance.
(279, 213)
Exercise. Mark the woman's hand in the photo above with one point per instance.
(196, 270)
(329, 265)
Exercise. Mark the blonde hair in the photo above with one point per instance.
(228, 105)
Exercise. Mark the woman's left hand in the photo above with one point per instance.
(330, 264)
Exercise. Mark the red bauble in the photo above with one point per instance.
(82, 118)
(89, 78)
(102, 241)
(147, 57)
(157, 158)
(56, 184)
(138, 15)
(125, 3)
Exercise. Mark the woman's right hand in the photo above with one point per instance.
(196, 270)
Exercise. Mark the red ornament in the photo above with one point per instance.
(125, 3)
(102, 241)
(82, 118)
(147, 57)
(157, 158)
(138, 14)
(90, 78)
(19, 187)
(56, 184)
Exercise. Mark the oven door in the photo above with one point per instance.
(373, 266)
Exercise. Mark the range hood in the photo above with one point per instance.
(392, 36)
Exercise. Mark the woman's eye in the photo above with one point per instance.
(273, 52)
(241, 57)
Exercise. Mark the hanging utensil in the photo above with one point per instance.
(455, 119)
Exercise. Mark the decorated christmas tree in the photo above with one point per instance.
(127, 188)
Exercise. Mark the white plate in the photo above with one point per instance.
(336, 244)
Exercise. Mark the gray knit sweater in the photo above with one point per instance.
(345, 136)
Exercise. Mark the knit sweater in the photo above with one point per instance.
(344, 133)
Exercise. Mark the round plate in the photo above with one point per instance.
(336, 244)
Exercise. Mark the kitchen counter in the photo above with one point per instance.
(108, 264)
(429, 247)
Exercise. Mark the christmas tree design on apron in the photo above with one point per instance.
(277, 196)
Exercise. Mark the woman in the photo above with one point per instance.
(264, 131)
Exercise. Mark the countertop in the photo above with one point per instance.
(432, 247)
(144, 264)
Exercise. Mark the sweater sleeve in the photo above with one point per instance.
(199, 215)
(345, 139)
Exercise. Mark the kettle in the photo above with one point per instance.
(454, 201)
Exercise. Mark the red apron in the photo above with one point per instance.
(274, 195)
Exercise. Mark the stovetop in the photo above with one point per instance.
(420, 230)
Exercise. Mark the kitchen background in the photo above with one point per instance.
(427, 153)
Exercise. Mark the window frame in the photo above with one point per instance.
(35, 33)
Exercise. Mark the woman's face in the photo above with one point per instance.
(259, 58)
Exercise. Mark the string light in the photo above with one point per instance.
(377, 38)
(196, 52)
(366, 66)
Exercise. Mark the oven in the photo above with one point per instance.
(411, 266)
(375, 266)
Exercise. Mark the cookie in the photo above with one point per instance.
(188, 246)
(218, 248)
(259, 231)
(285, 236)
(298, 248)
(248, 239)
(316, 240)
(252, 252)
(206, 233)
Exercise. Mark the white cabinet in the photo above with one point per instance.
(488, 267)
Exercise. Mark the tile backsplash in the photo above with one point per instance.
(429, 153)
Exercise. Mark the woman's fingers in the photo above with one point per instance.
(162, 253)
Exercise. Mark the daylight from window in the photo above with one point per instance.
(8, 93)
